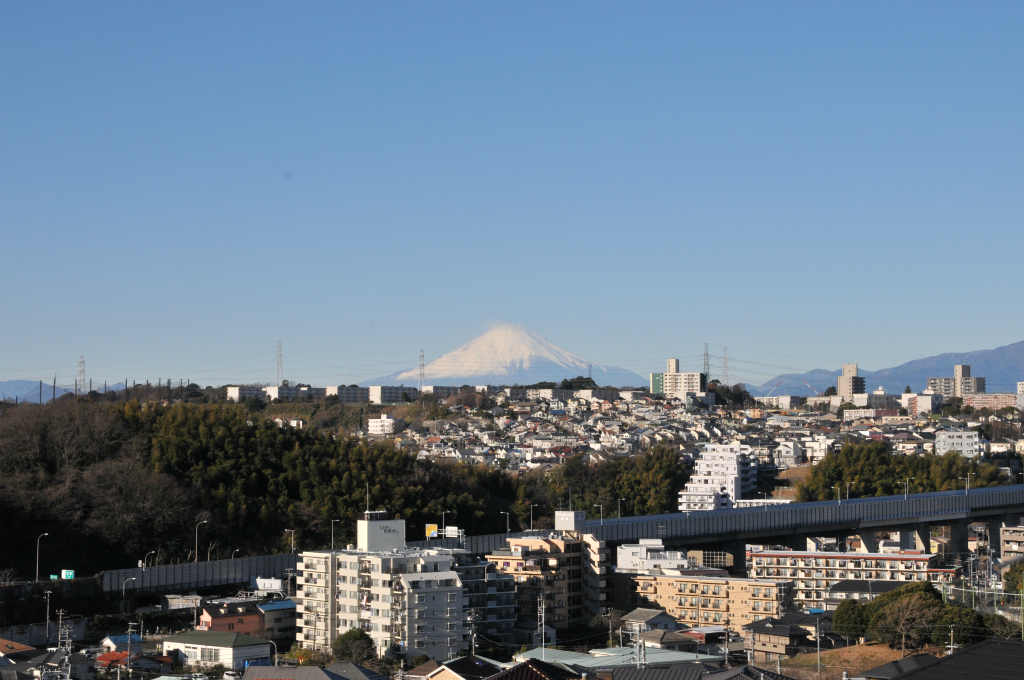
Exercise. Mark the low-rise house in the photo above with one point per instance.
(206, 649)
(120, 643)
(642, 620)
(232, 618)
(769, 640)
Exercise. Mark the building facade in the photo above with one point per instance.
(722, 474)
(960, 385)
(849, 382)
(813, 573)
(409, 601)
(392, 394)
(699, 600)
(568, 569)
(966, 442)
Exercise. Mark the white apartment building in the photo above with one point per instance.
(723, 473)
(392, 394)
(240, 392)
(646, 555)
(960, 385)
(849, 382)
(409, 601)
(285, 392)
(349, 394)
(381, 426)
(678, 385)
(917, 404)
(813, 573)
(441, 391)
(967, 442)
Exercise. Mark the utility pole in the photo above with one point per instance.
(817, 638)
(48, 593)
(540, 622)
(292, 531)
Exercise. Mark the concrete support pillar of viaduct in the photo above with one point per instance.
(868, 541)
(958, 535)
(738, 550)
(995, 527)
(918, 537)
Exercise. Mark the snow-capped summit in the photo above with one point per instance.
(509, 354)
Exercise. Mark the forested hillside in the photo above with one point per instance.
(112, 481)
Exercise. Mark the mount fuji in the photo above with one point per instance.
(510, 355)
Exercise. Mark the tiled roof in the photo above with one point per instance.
(12, 647)
(424, 668)
(535, 669)
(900, 667)
(990, 659)
(472, 667)
(211, 638)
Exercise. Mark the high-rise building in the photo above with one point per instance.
(722, 474)
(410, 601)
(568, 569)
(849, 383)
(657, 383)
(1020, 395)
(672, 366)
(960, 385)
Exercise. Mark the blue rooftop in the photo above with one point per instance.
(277, 604)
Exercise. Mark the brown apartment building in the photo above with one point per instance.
(568, 568)
(713, 600)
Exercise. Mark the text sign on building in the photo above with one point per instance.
(67, 574)
(431, 530)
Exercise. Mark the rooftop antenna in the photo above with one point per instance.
(280, 363)
(707, 363)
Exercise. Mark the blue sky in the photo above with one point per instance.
(805, 183)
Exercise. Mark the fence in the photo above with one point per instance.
(168, 577)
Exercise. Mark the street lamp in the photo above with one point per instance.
(124, 584)
(275, 650)
(332, 533)
(839, 496)
(45, 533)
(532, 506)
(848, 490)
(201, 522)
(293, 538)
(906, 487)
(233, 553)
(145, 560)
(506, 520)
(620, 506)
(444, 521)
(967, 487)
(601, 506)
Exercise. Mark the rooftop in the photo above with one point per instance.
(215, 639)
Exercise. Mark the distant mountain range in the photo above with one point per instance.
(1001, 367)
(510, 355)
(28, 390)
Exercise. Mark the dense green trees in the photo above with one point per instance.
(914, 615)
(353, 645)
(872, 469)
(111, 481)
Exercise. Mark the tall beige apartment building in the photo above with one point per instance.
(849, 383)
(568, 569)
(713, 600)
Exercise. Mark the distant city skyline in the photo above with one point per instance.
(806, 185)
